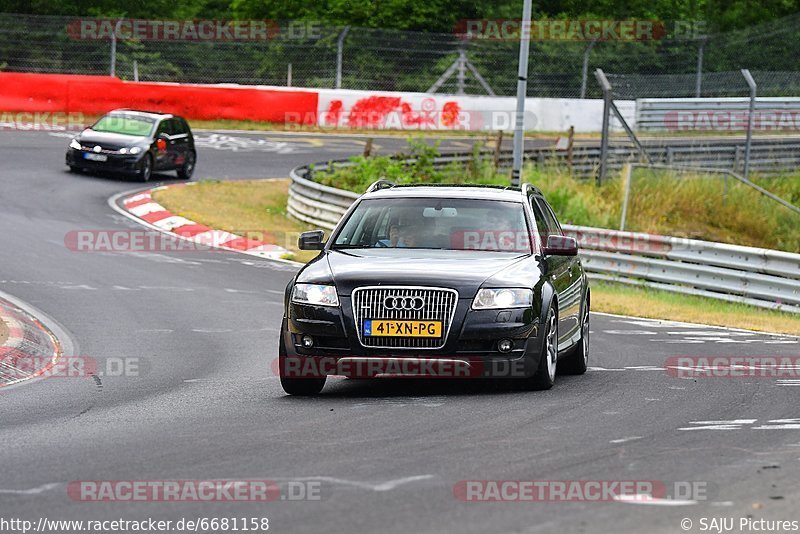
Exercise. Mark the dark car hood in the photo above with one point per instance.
(464, 271)
(110, 140)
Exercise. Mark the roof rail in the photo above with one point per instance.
(380, 184)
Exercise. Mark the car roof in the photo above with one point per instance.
(474, 191)
(150, 114)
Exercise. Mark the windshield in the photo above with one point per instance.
(125, 125)
(436, 223)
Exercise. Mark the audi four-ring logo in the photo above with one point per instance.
(403, 303)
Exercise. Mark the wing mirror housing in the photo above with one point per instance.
(312, 240)
(561, 245)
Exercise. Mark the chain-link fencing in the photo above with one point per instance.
(311, 55)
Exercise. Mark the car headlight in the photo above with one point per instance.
(488, 299)
(75, 144)
(134, 150)
(315, 294)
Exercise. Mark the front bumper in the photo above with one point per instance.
(118, 163)
(471, 348)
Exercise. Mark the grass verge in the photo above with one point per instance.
(258, 208)
(623, 299)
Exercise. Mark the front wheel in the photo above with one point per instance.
(146, 168)
(187, 169)
(302, 386)
(545, 376)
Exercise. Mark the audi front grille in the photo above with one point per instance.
(404, 303)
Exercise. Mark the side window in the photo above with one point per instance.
(553, 228)
(178, 126)
(164, 127)
(541, 222)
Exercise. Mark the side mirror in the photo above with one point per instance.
(561, 245)
(311, 240)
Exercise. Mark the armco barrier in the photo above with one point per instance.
(759, 277)
(716, 114)
(99, 94)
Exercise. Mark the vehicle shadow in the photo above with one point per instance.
(376, 388)
(156, 178)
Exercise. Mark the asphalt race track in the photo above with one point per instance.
(385, 454)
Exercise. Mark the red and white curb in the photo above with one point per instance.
(30, 350)
(144, 209)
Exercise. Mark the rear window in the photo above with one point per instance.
(436, 223)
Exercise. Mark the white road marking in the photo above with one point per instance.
(788, 382)
(662, 323)
(232, 143)
(630, 332)
(648, 500)
(734, 424)
(31, 491)
(629, 368)
(625, 440)
(427, 402)
(382, 486)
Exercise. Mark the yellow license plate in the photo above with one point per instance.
(391, 328)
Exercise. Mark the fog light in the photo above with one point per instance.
(308, 342)
(505, 345)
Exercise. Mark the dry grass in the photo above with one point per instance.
(256, 209)
(691, 206)
(656, 304)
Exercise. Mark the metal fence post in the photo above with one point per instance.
(339, 55)
(699, 81)
(585, 70)
(627, 176)
(114, 49)
(606, 87)
(522, 92)
(461, 76)
(753, 87)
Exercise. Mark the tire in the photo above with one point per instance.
(300, 387)
(578, 359)
(545, 376)
(74, 169)
(146, 168)
(187, 169)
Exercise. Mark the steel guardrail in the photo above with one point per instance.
(720, 114)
